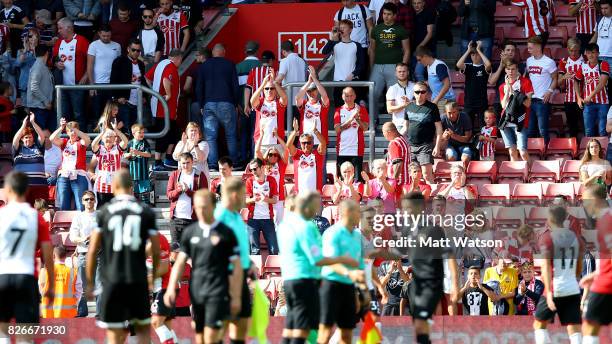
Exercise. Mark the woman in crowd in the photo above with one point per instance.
(347, 186)
(192, 142)
(458, 189)
(72, 179)
(109, 116)
(417, 183)
(25, 59)
(594, 169)
(381, 186)
(275, 165)
(29, 157)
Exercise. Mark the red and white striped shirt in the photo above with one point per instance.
(487, 149)
(172, 25)
(587, 16)
(399, 150)
(256, 76)
(109, 162)
(535, 22)
(591, 75)
(569, 65)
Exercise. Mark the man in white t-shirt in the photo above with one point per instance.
(542, 72)
(399, 95)
(100, 56)
(292, 67)
(603, 35)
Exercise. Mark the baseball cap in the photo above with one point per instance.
(267, 55)
(252, 46)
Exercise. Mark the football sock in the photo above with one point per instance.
(575, 338)
(590, 340)
(541, 336)
(164, 334)
(423, 339)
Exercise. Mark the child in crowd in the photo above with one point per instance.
(6, 112)
(42, 206)
(488, 136)
(138, 153)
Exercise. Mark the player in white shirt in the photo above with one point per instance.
(22, 231)
(561, 267)
(399, 96)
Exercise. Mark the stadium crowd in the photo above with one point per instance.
(284, 187)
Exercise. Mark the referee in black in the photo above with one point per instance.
(215, 290)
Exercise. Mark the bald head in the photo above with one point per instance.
(308, 204)
(390, 131)
(218, 50)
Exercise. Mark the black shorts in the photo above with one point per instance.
(19, 298)
(338, 304)
(374, 304)
(122, 304)
(424, 296)
(568, 309)
(302, 304)
(247, 305)
(423, 154)
(211, 313)
(158, 307)
(598, 308)
(171, 138)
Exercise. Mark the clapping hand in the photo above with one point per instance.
(296, 125)
(63, 123)
(365, 176)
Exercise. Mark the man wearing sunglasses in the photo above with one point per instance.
(261, 195)
(152, 38)
(307, 162)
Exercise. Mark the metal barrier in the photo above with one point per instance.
(371, 105)
(108, 87)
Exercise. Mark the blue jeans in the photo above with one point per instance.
(595, 119)
(73, 103)
(66, 189)
(127, 114)
(269, 233)
(195, 115)
(82, 310)
(247, 146)
(455, 153)
(538, 119)
(223, 113)
(487, 44)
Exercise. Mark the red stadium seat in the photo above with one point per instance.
(272, 266)
(442, 170)
(557, 34)
(492, 96)
(553, 189)
(460, 98)
(537, 216)
(482, 170)
(499, 37)
(493, 193)
(65, 236)
(544, 170)
(603, 140)
(289, 173)
(327, 192)
(558, 99)
(508, 14)
(63, 219)
(570, 171)
(258, 262)
(562, 147)
(500, 148)
(513, 170)
(562, 14)
(559, 54)
(515, 34)
(457, 79)
(536, 146)
(512, 217)
(578, 190)
(527, 193)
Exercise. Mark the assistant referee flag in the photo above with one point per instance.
(370, 334)
(260, 315)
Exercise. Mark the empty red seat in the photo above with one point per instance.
(515, 34)
(513, 169)
(508, 14)
(557, 34)
(499, 37)
(603, 140)
(537, 216)
(327, 192)
(442, 170)
(460, 98)
(457, 79)
(550, 190)
(544, 170)
(562, 146)
(272, 266)
(509, 217)
(258, 262)
(536, 146)
(560, 53)
(63, 219)
(527, 193)
(562, 14)
(493, 193)
(570, 171)
(558, 99)
(500, 148)
(482, 170)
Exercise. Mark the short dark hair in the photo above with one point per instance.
(287, 46)
(88, 193)
(604, 2)
(4, 86)
(60, 251)
(135, 41)
(17, 182)
(389, 6)
(257, 161)
(226, 160)
(423, 51)
(401, 64)
(175, 53)
(205, 51)
(592, 47)
(104, 27)
(506, 42)
(535, 40)
(123, 6)
(122, 179)
(40, 50)
(557, 214)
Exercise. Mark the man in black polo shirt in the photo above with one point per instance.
(214, 289)
(424, 127)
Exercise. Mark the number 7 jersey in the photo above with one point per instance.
(125, 225)
(563, 248)
(22, 230)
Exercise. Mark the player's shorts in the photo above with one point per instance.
(19, 298)
(211, 313)
(598, 308)
(122, 304)
(246, 304)
(338, 304)
(374, 303)
(158, 307)
(568, 309)
(424, 296)
(302, 304)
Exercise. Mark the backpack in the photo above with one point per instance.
(363, 13)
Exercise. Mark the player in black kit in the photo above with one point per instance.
(215, 290)
(124, 226)
(426, 290)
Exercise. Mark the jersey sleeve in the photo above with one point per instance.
(273, 187)
(604, 68)
(184, 22)
(249, 187)
(337, 117)
(578, 75)
(551, 67)
(91, 50)
(442, 71)
(251, 80)
(363, 114)
(527, 86)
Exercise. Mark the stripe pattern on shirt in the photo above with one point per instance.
(172, 25)
(535, 22)
(587, 16)
(590, 76)
(109, 162)
(568, 65)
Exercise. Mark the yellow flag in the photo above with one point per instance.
(260, 317)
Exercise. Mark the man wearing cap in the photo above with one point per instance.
(42, 22)
(244, 122)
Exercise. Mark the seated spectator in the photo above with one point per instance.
(39, 94)
(275, 165)
(381, 186)
(107, 160)
(475, 295)
(109, 116)
(29, 157)
(528, 292)
(7, 110)
(72, 180)
(307, 161)
(261, 195)
(138, 154)
(457, 192)
(347, 185)
(270, 111)
(182, 184)
(128, 69)
(26, 57)
(503, 280)
(398, 155)
(594, 169)
(193, 143)
(350, 122)
(457, 134)
(417, 183)
(225, 169)
(488, 136)
(476, 79)
(514, 123)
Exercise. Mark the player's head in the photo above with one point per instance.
(204, 202)
(474, 275)
(413, 203)
(349, 213)
(122, 182)
(225, 166)
(308, 204)
(233, 194)
(557, 215)
(15, 186)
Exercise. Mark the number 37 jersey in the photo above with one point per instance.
(22, 230)
(563, 248)
(125, 225)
